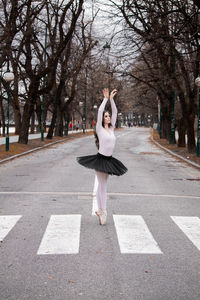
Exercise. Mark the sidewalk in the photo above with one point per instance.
(34, 144)
(179, 152)
(14, 138)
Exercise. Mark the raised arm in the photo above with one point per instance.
(101, 109)
(100, 113)
(113, 107)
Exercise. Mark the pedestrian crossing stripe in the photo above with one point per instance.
(62, 235)
(6, 224)
(134, 235)
(191, 227)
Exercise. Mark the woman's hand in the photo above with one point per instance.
(112, 94)
(106, 93)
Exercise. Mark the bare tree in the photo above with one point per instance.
(171, 29)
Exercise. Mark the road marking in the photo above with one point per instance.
(134, 235)
(6, 224)
(94, 198)
(123, 134)
(154, 195)
(191, 227)
(62, 235)
(91, 194)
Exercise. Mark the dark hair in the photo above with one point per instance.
(96, 139)
(95, 133)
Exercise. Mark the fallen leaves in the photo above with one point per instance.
(70, 281)
(99, 251)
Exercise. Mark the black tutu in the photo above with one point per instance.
(101, 163)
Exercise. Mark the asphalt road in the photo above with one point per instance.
(53, 248)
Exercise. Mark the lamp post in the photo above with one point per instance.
(81, 105)
(197, 82)
(107, 46)
(95, 113)
(66, 116)
(8, 77)
(172, 131)
(120, 118)
(159, 118)
(84, 104)
(44, 84)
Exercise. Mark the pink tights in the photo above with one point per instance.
(101, 190)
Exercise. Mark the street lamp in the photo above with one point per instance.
(173, 96)
(66, 116)
(107, 46)
(119, 118)
(159, 118)
(197, 82)
(85, 97)
(81, 105)
(95, 113)
(8, 77)
(44, 84)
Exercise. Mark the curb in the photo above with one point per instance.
(30, 151)
(33, 150)
(176, 155)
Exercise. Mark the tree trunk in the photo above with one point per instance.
(52, 125)
(191, 134)
(15, 100)
(181, 132)
(59, 114)
(59, 123)
(33, 122)
(53, 120)
(18, 123)
(166, 122)
(28, 109)
(39, 114)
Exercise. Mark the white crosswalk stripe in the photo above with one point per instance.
(62, 235)
(191, 227)
(6, 224)
(134, 235)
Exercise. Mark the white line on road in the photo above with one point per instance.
(154, 195)
(191, 227)
(62, 235)
(6, 224)
(123, 134)
(91, 194)
(134, 235)
(94, 198)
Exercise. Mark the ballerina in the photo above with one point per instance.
(103, 162)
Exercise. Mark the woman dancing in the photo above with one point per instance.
(103, 162)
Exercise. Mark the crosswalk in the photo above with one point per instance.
(191, 227)
(62, 234)
(6, 224)
(134, 235)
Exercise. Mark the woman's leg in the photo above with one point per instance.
(102, 190)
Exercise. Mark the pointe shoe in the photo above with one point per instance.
(98, 213)
(103, 218)
(102, 215)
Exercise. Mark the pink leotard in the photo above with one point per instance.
(106, 139)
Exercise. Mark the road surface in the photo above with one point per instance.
(52, 246)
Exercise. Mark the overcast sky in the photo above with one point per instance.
(105, 27)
